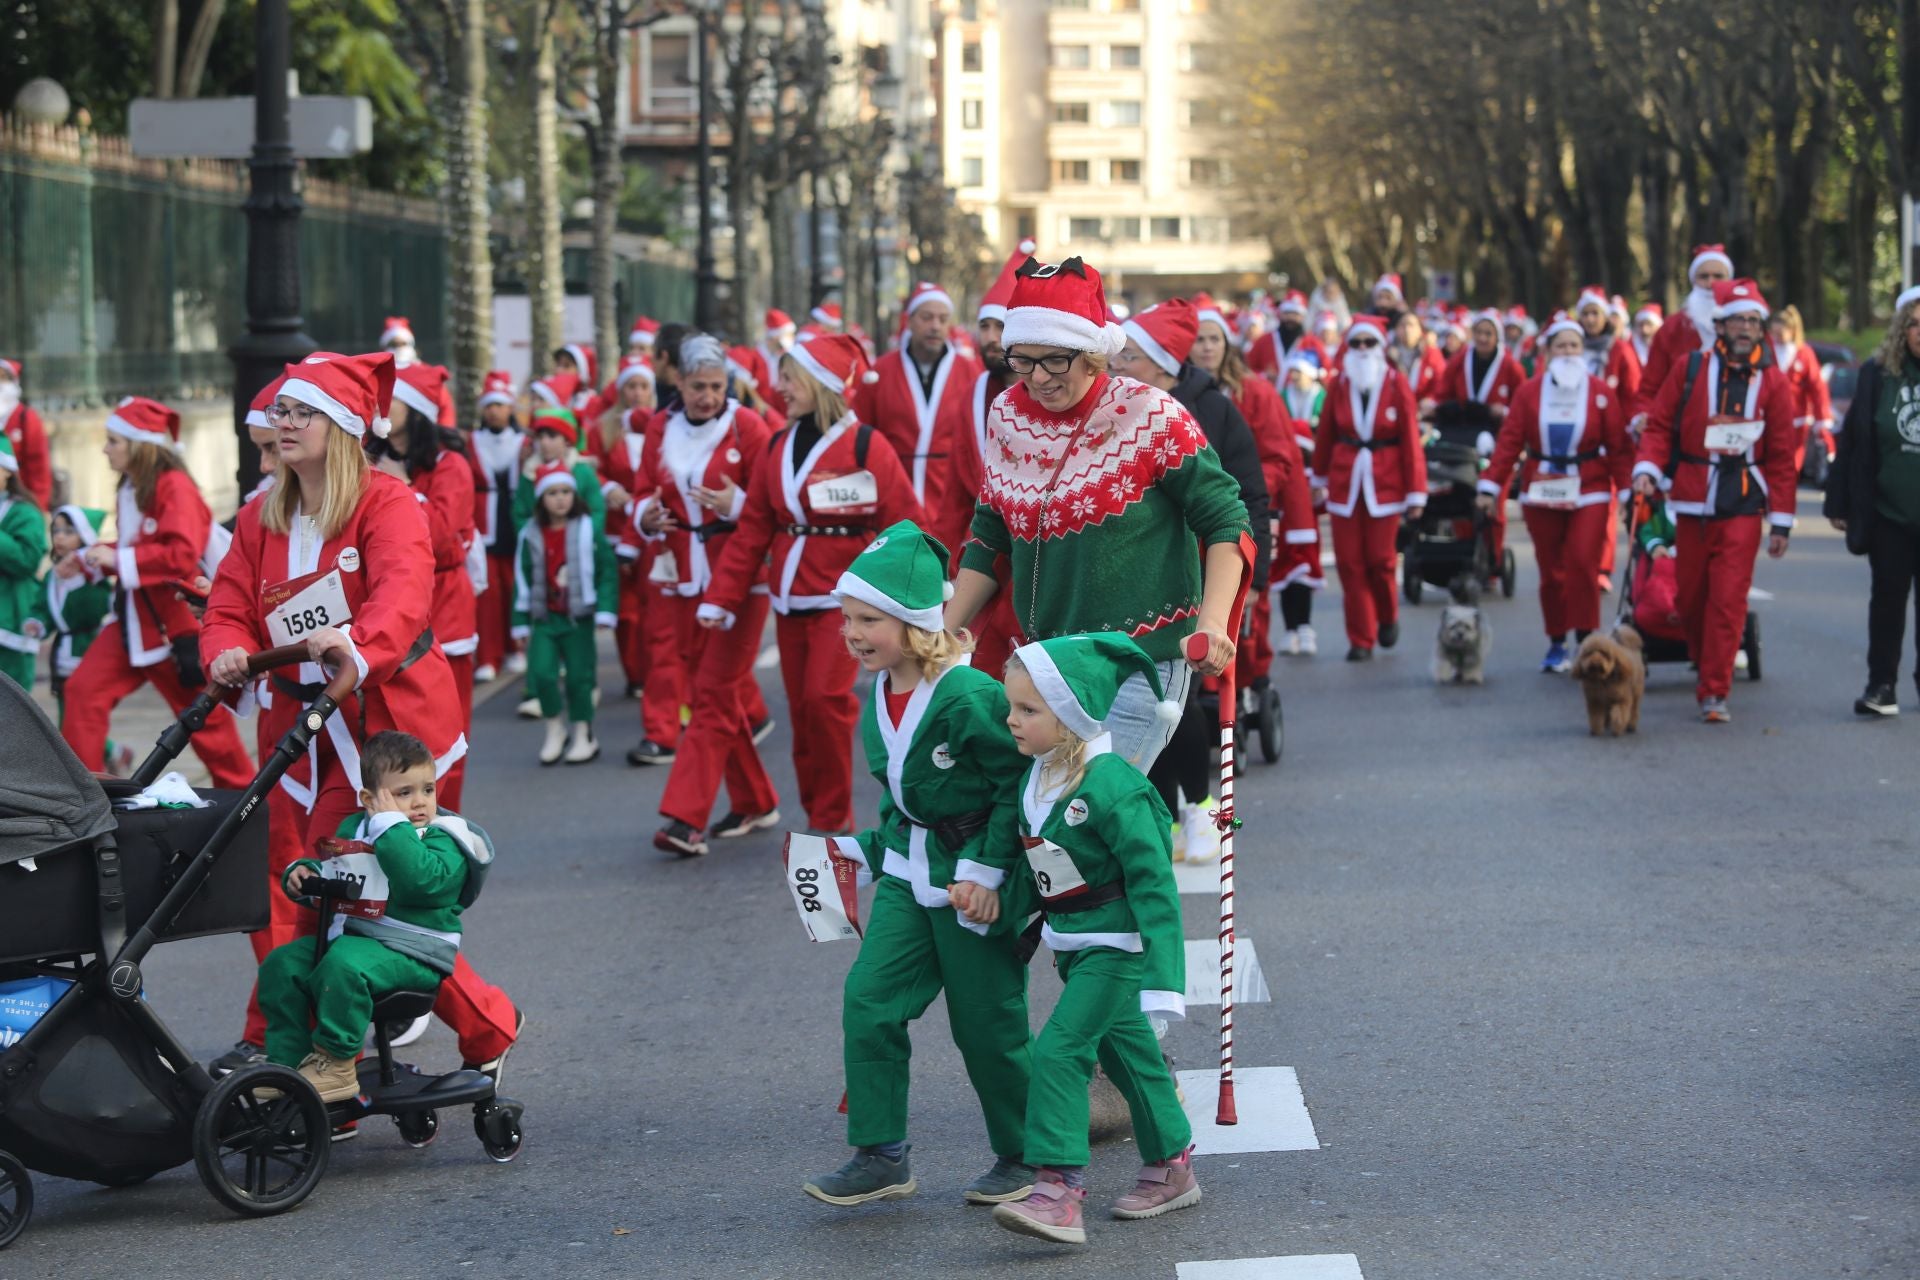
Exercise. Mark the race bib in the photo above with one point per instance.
(852, 492)
(298, 608)
(354, 860)
(825, 888)
(1053, 869)
(1733, 437)
(665, 568)
(1554, 491)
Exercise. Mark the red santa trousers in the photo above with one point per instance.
(1714, 562)
(996, 634)
(1611, 535)
(666, 690)
(104, 680)
(629, 635)
(718, 742)
(1567, 546)
(822, 708)
(1255, 657)
(462, 665)
(495, 610)
(1363, 552)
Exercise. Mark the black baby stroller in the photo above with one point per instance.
(1450, 540)
(98, 1088)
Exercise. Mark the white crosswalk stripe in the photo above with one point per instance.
(1311, 1266)
(1197, 877)
(1271, 1109)
(1203, 973)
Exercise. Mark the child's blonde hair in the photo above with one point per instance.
(1068, 759)
(935, 651)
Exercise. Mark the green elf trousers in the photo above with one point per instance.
(335, 998)
(909, 952)
(1099, 1015)
(18, 665)
(553, 644)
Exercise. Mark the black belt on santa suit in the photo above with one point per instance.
(1358, 443)
(1567, 459)
(308, 692)
(957, 830)
(826, 530)
(715, 529)
(1085, 900)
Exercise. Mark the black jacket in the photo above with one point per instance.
(1853, 481)
(1232, 439)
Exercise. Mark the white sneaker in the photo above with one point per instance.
(583, 746)
(1203, 837)
(415, 1029)
(556, 740)
(516, 664)
(1740, 660)
(1309, 643)
(484, 675)
(529, 709)
(1180, 838)
(1292, 646)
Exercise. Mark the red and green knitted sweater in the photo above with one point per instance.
(1114, 543)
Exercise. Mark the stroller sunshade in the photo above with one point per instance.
(48, 801)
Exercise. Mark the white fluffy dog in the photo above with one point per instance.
(1460, 651)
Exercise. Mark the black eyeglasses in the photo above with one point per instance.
(1054, 364)
(1363, 344)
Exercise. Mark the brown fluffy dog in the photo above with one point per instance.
(1614, 676)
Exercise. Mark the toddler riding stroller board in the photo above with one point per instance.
(98, 1088)
(1648, 589)
(1449, 538)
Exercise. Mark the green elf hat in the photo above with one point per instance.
(1079, 677)
(902, 573)
(7, 461)
(86, 521)
(550, 417)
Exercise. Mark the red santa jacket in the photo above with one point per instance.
(1370, 457)
(814, 514)
(446, 495)
(1624, 370)
(384, 555)
(1675, 435)
(1671, 342)
(675, 458)
(1812, 406)
(158, 548)
(921, 428)
(28, 435)
(1268, 358)
(1591, 442)
(1289, 492)
(1425, 376)
(1496, 386)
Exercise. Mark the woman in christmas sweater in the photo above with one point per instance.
(1099, 857)
(71, 602)
(339, 557)
(23, 545)
(163, 526)
(699, 465)
(565, 587)
(936, 739)
(1098, 489)
(828, 485)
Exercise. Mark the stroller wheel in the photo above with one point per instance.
(1272, 727)
(417, 1128)
(497, 1125)
(261, 1156)
(16, 1199)
(1751, 643)
(1509, 573)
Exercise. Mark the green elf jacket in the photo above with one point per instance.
(592, 581)
(950, 758)
(425, 877)
(23, 545)
(1111, 830)
(71, 610)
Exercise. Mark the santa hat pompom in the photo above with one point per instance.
(869, 377)
(1168, 712)
(382, 427)
(946, 591)
(1029, 246)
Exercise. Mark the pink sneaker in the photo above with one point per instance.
(1051, 1212)
(1159, 1188)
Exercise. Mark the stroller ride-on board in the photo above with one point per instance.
(98, 1088)
(1449, 540)
(1647, 599)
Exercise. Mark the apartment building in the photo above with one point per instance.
(1086, 125)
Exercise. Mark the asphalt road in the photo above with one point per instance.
(1559, 1008)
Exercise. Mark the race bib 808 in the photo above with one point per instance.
(825, 888)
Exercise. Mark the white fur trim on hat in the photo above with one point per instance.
(1046, 327)
(1056, 692)
(496, 397)
(1562, 325)
(393, 331)
(554, 481)
(1906, 299)
(257, 418)
(992, 311)
(1594, 297)
(1706, 256)
(1213, 314)
(821, 374)
(1155, 352)
(1293, 307)
(932, 618)
(416, 399)
(627, 374)
(119, 426)
(1368, 323)
(1648, 313)
(929, 295)
(304, 392)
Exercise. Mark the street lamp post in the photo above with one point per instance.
(705, 278)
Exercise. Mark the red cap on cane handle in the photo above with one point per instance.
(1198, 647)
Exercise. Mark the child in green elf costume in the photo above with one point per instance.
(1099, 852)
(418, 869)
(565, 585)
(556, 440)
(936, 737)
(71, 600)
(23, 545)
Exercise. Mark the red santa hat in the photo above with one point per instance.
(923, 293)
(1591, 296)
(1650, 311)
(828, 314)
(12, 367)
(835, 361)
(1166, 333)
(778, 323)
(355, 391)
(1492, 316)
(645, 329)
(396, 329)
(145, 421)
(584, 363)
(993, 303)
(497, 388)
(553, 475)
(740, 366)
(1391, 282)
(1207, 311)
(558, 419)
(1562, 323)
(1738, 298)
(1294, 303)
(1705, 253)
(1369, 326)
(1617, 305)
(556, 388)
(1061, 305)
(423, 389)
(257, 411)
(632, 367)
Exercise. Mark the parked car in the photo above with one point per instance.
(1841, 368)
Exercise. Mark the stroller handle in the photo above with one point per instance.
(287, 654)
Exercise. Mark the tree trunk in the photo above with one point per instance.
(1863, 210)
(193, 59)
(606, 176)
(166, 46)
(546, 285)
(471, 254)
(1656, 212)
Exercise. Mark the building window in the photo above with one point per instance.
(1210, 230)
(670, 88)
(973, 171)
(1126, 229)
(970, 113)
(1165, 228)
(969, 10)
(1070, 4)
(1203, 172)
(1122, 112)
(1201, 59)
(1073, 57)
(1072, 171)
(970, 56)
(1123, 171)
(1071, 113)
(1084, 229)
(1024, 224)
(1123, 57)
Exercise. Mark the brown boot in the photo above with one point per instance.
(336, 1079)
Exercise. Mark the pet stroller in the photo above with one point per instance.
(97, 1088)
(1450, 542)
(1648, 591)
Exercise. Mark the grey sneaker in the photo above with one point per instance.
(243, 1054)
(1714, 711)
(868, 1176)
(1007, 1180)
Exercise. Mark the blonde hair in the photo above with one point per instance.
(1233, 370)
(146, 463)
(935, 651)
(829, 406)
(346, 482)
(1096, 360)
(1789, 316)
(1893, 348)
(1069, 756)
